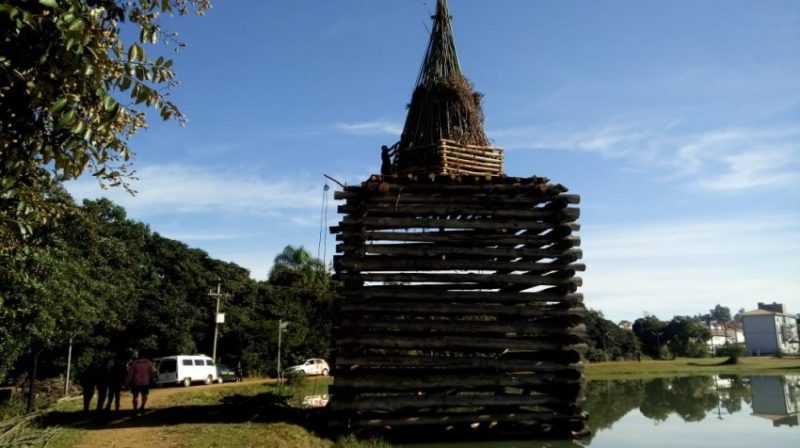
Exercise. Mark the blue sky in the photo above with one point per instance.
(677, 122)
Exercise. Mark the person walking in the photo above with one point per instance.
(88, 381)
(101, 378)
(140, 375)
(116, 379)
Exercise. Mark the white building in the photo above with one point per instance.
(769, 330)
(724, 333)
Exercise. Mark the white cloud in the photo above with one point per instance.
(725, 160)
(686, 267)
(194, 189)
(375, 127)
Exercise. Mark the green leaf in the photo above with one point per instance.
(76, 25)
(58, 105)
(133, 52)
(66, 119)
(109, 102)
(49, 3)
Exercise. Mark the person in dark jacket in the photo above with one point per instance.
(116, 379)
(88, 380)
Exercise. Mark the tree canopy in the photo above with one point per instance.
(72, 92)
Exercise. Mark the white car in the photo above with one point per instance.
(313, 366)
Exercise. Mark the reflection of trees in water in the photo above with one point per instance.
(733, 396)
(608, 401)
(691, 398)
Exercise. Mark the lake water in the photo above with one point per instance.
(691, 412)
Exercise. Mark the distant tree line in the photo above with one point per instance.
(650, 336)
(115, 288)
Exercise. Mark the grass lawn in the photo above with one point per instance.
(691, 366)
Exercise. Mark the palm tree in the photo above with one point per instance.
(295, 267)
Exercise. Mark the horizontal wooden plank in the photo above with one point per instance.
(406, 198)
(467, 237)
(488, 279)
(394, 382)
(348, 363)
(441, 401)
(445, 327)
(402, 293)
(462, 309)
(438, 250)
(453, 342)
(558, 215)
(451, 418)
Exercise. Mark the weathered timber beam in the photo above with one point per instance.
(389, 382)
(465, 237)
(453, 363)
(494, 279)
(442, 327)
(558, 215)
(438, 250)
(529, 199)
(463, 310)
(412, 264)
(447, 186)
(451, 418)
(443, 401)
(377, 223)
(476, 343)
(389, 293)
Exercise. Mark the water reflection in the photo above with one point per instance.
(729, 411)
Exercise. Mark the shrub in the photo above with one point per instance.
(296, 380)
(732, 351)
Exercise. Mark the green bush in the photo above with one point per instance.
(734, 351)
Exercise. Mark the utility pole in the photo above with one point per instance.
(218, 318)
(69, 362)
(281, 326)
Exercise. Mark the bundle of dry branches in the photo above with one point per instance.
(444, 104)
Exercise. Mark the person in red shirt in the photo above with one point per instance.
(140, 375)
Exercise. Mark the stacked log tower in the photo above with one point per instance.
(457, 311)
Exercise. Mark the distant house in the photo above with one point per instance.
(770, 330)
(724, 333)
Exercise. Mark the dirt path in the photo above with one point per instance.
(127, 430)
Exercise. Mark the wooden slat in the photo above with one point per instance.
(395, 382)
(462, 310)
(452, 401)
(443, 327)
(394, 293)
(349, 362)
(477, 343)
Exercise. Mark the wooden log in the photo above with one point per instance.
(445, 401)
(400, 294)
(438, 250)
(374, 264)
(527, 199)
(443, 327)
(452, 418)
(404, 210)
(463, 237)
(370, 223)
(347, 363)
(418, 382)
(444, 309)
(491, 279)
(454, 342)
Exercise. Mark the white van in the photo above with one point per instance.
(185, 369)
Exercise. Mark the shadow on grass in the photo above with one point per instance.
(262, 408)
(727, 362)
